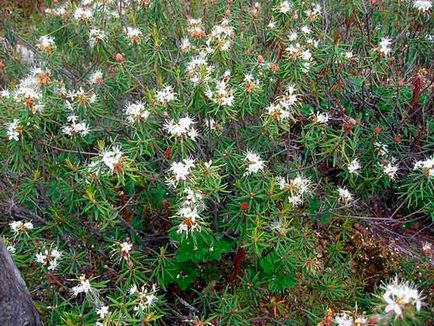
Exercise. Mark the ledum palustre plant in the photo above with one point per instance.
(220, 162)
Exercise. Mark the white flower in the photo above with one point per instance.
(12, 130)
(288, 99)
(299, 189)
(427, 166)
(271, 24)
(306, 55)
(389, 169)
(314, 12)
(20, 227)
(400, 295)
(49, 257)
(146, 298)
(83, 287)
(150, 299)
(133, 289)
(165, 95)
(102, 312)
(383, 150)
(295, 200)
(223, 94)
(74, 127)
(426, 246)
(5, 93)
(422, 5)
(254, 163)
(126, 248)
(221, 35)
(305, 29)
(384, 47)
(344, 195)
(321, 117)
(134, 34)
(190, 220)
(302, 185)
(343, 319)
(112, 157)
(82, 14)
(11, 249)
(354, 167)
(293, 36)
(96, 78)
(277, 113)
(284, 7)
(96, 36)
(56, 254)
(182, 128)
(136, 112)
(46, 44)
(181, 170)
(349, 55)
(185, 44)
(53, 265)
(40, 258)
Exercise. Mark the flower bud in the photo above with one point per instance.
(119, 58)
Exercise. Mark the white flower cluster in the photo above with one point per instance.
(166, 95)
(96, 78)
(136, 112)
(28, 90)
(282, 109)
(299, 188)
(83, 286)
(102, 312)
(74, 127)
(301, 42)
(313, 13)
(182, 129)
(180, 171)
(354, 167)
(125, 248)
(195, 28)
(254, 163)
(384, 46)
(388, 166)
(145, 298)
(345, 196)
(345, 319)
(250, 83)
(13, 130)
(96, 36)
(189, 212)
(321, 118)
(83, 14)
(81, 96)
(46, 44)
(284, 7)
(222, 93)
(389, 169)
(399, 296)
(110, 159)
(50, 257)
(422, 5)
(221, 36)
(18, 227)
(198, 70)
(427, 166)
(134, 34)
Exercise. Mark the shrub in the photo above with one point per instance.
(220, 162)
